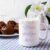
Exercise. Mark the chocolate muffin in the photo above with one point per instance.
(3, 30)
(16, 28)
(2, 24)
(9, 29)
(12, 23)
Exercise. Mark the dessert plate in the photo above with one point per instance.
(11, 35)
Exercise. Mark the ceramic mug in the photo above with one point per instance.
(29, 32)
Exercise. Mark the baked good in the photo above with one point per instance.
(10, 28)
(2, 24)
(16, 28)
(12, 23)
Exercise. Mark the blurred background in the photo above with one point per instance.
(15, 8)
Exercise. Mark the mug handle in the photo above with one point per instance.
(45, 34)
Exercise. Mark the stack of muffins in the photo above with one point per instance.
(10, 27)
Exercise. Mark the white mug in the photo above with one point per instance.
(29, 31)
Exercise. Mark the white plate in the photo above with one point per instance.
(12, 35)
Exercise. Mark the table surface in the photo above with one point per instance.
(12, 44)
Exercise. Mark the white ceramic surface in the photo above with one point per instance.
(29, 31)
